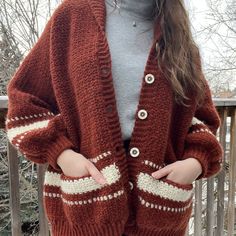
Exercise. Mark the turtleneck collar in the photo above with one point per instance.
(143, 9)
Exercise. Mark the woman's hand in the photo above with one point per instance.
(74, 164)
(182, 171)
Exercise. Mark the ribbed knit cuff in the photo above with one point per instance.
(211, 162)
(57, 147)
(201, 155)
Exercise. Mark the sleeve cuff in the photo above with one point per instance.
(56, 149)
(209, 167)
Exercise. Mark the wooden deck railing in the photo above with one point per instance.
(219, 191)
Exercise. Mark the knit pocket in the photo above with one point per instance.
(52, 197)
(86, 201)
(167, 204)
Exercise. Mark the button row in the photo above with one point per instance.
(142, 114)
(149, 79)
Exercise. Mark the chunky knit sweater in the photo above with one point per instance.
(62, 96)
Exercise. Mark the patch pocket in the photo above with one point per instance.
(86, 201)
(178, 185)
(167, 203)
(52, 197)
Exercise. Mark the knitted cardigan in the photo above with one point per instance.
(62, 96)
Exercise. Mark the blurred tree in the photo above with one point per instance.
(222, 32)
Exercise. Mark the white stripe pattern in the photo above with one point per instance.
(164, 208)
(24, 129)
(162, 189)
(13, 132)
(52, 179)
(82, 202)
(48, 194)
(100, 157)
(152, 164)
(95, 199)
(83, 184)
(202, 130)
(28, 117)
(195, 121)
(19, 140)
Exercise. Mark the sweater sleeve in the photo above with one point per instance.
(33, 123)
(201, 141)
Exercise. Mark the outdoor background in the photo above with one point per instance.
(213, 25)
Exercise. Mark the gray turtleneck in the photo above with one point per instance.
(129, 30)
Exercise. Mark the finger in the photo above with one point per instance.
(162, 172)
(96, 174)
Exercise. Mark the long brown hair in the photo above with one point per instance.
(178, 55)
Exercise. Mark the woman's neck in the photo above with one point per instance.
(135, 8)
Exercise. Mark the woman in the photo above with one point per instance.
(116, 103)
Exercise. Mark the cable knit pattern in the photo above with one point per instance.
(62, 96)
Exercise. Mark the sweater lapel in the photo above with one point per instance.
(99, 10)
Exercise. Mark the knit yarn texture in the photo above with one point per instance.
(62, 96)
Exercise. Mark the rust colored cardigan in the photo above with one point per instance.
(62, 96)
